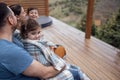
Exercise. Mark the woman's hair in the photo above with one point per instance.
(27, 26)
(16, 8)
(31, 8)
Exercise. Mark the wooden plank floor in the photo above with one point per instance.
(96, 59)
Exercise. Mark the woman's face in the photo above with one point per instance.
(22, 15)
(21, 18)
(35, 34)
(33, 14)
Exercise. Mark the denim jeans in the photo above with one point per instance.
(78, 75)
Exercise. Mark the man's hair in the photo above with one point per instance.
(30, 9)
(4, 11)
(16, 8)
(27, 26)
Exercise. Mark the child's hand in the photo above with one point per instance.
(52, 48)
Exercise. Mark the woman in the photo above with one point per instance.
(19, 13)
(21, 17)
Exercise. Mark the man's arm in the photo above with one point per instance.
(38, 70)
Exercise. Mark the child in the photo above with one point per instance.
(32, 13)
(43, 20)
(40, 50)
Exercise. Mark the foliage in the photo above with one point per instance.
(73, 6)
(65, 10)
(110, 32)
(82, 26)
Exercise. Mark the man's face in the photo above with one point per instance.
(13, 19)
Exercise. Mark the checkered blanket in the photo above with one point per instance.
(46, 57)
(43, 54)
(56, 61)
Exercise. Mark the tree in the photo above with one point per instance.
(110, 32)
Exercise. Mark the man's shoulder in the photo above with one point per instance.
(9, 46)
(5, 43)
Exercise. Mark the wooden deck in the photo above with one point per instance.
(96, 59)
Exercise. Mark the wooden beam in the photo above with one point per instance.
(47, 8)
(89, 18)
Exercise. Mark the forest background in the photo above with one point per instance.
(106, 17)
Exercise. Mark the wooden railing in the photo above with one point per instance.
(41, 5)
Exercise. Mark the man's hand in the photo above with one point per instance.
(38, 70)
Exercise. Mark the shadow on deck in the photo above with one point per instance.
(97, 59)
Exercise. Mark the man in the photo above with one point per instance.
(15, 62)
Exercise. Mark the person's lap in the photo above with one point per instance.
(76, 72)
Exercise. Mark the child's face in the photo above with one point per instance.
(33, 14)
(34, 35)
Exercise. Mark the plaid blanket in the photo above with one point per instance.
(45, 56)
(50, 56)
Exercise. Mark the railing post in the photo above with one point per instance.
(89, 19)
(47, 8)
